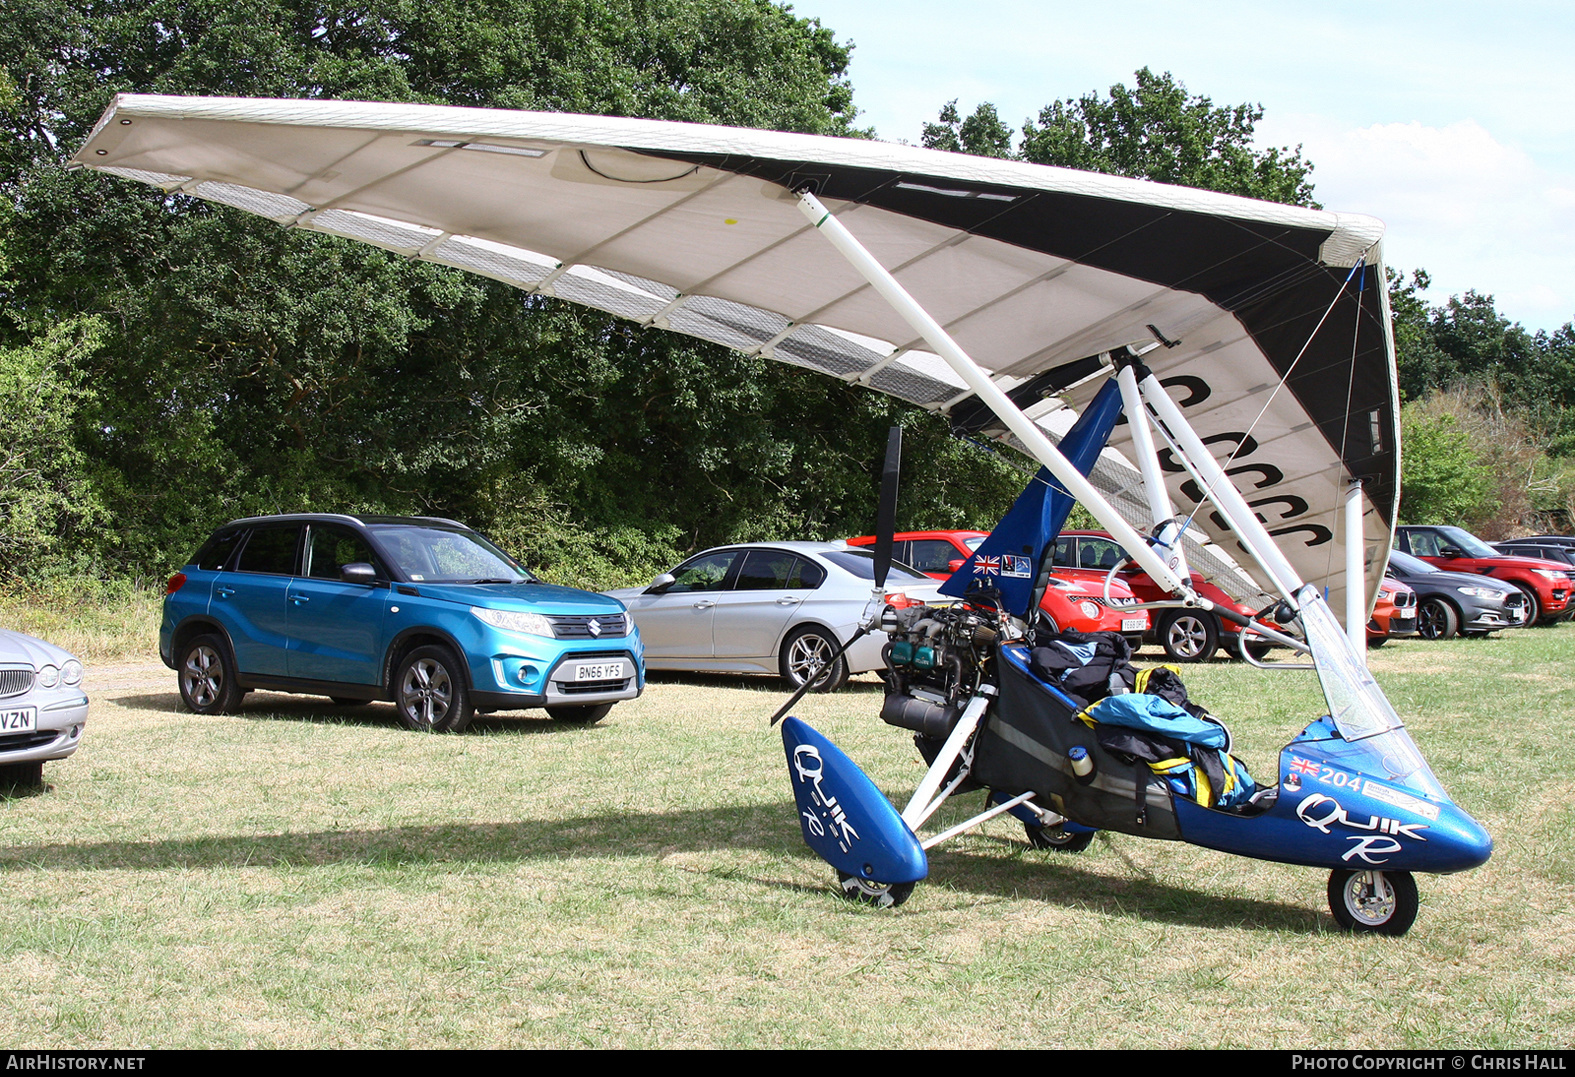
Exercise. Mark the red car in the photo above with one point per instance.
(1394, 614)
(1546, 584)
(1068, 602)
(1186, 635)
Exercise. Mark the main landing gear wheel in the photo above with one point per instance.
(1380, 902)
(865, 892)
(1057, 838)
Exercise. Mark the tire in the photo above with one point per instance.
(580, 715)
(206, 677)
(1189, 636)
(430, 692)
(802, 649)
(1259, 651)
(1057, 839)
(1375, 642)
(880, 895)
(1436, 619)
(22, 777)
(1533, 605)
(1373, 902)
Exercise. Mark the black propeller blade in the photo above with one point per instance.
(886, 514)
(885, 528)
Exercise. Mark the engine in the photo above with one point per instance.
(936, 657)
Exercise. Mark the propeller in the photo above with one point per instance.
(885, 529)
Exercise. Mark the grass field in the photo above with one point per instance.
(301, 875)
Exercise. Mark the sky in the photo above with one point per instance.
(1452, 122)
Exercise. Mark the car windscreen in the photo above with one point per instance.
(862, 564)
(446, 555)
(1473, 546)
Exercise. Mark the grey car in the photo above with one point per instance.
(43, 708)
(1457, 602)
(767, 607)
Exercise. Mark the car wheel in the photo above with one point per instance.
(807, 649)
(881, 895)
(1380, 902)
(1190, 636)
(1374, 642)
(1259, 651)
(207, 677)
(1057, 838)
(22, 776)
(580, 715)
(1436, 619)
(430, 692)
(1533, 606)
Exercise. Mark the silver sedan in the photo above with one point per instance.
(779, 607)
(42, 707)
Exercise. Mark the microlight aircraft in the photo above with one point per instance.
(1248, 343)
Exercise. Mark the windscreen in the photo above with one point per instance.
(446, 555)
(1378, 742)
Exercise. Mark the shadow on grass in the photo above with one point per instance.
(1077, 882)
(278, 707)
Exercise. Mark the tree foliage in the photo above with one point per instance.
(1489, 429)
(1154, 130)
(243, 368)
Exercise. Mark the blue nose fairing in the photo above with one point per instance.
(848, 821)
(1333, 813)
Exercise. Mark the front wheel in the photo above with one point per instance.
(583, 715)
(806, 650)
(1534, 606)
(1377, 902)
(430, 692)
(865, 892)
(1190, 636)
(1436, 619)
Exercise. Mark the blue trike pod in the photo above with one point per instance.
(848, 821)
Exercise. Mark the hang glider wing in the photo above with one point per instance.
(1034, 271)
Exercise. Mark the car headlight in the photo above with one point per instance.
(71, 672)
(531, 624)
(1481, 592)
(1551, 574)
(49, 676)
(1090, 609)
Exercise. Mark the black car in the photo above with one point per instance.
(1451, 602)
(1547, 547)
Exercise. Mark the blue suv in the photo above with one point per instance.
(420, 611)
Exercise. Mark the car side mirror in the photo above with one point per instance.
(1451, 551)
(661, 583)
(358, 572)
(954, 564)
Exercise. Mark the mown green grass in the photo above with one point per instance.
(303, 875)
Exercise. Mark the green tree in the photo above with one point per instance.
(981, 134)
(1154, 130)
(244, 368)
(47, 497)
(1443, 478)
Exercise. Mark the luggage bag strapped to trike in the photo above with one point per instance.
(1028, 736)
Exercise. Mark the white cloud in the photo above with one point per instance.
(1472, 211)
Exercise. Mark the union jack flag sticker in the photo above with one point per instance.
(1303, 766)
(987, 566)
